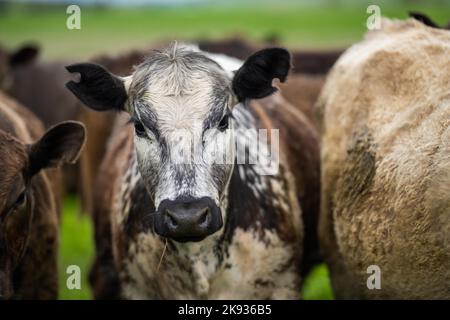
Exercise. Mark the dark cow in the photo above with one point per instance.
(170, 222)
(312, 62)
(37, 85)
(40, 87)
(28, 207)
(427, 21)
(11, 60)
(302, 91)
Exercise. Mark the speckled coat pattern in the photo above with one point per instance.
(256, 255)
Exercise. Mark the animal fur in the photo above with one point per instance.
(385, 121)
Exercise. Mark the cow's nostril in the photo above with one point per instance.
(172, 221)
(204, 217)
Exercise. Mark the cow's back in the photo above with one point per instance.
(385, 124)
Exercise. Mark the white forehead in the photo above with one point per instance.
(181, 85)
(180, 112)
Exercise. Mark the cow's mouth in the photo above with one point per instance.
(188, 239)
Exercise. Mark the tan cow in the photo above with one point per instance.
(385, 121)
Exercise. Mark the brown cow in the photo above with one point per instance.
(28, 206)
(11, 60)
(313, 62)
(40, 87)
(302, 91)
(385, 214)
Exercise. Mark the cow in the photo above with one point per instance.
(28, 206)
(9, 60)
(171, 229)
(39, 85)
(302, 91)
(385, 127)
(427, 20)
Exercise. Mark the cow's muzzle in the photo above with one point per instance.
(188, 220)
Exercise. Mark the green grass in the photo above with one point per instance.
(76, 248)
(317, 285)
(113, 30)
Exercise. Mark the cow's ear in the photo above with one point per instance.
(423, 18)
(24, 55)
(98, 88)
(254, 79)
(62, 143)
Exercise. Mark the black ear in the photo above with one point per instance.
(254, 79)
(98, 88)
(60, 144)
(423, 18)
(24, 55)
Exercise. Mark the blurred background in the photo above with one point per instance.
(116, 26)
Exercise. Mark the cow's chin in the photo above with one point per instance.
(186, 238)
(189, 239)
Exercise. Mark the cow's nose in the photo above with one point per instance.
(191, 220)
(188, 219)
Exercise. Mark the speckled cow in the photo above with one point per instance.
(203, 230)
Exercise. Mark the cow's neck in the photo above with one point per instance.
(204, 257)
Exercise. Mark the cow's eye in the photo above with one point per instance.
(223, 124)
(21, 199)
(139, 128)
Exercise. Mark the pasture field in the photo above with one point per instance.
(115, 30)
(76, 248)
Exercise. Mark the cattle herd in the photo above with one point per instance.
(363, 176)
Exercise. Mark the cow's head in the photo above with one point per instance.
(19, 165)
(10, 60)
(180, 102)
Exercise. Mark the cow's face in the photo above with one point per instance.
(20, 163)
(180, 102)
